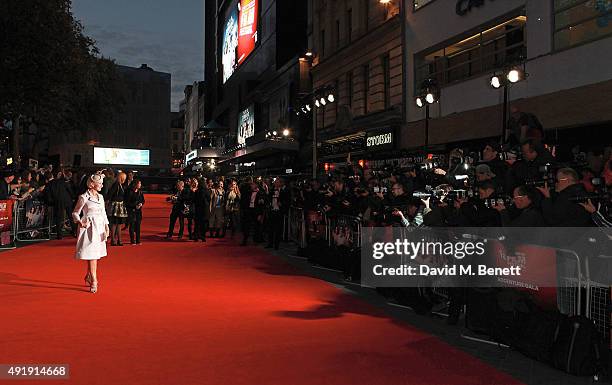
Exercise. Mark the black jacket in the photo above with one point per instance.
(5, 192)
(57, 193)
(529, 217)
(201, 201)
(559, 211)
(133, 198)
(116, 193)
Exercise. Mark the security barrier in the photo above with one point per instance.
(32, 221)
(598, 297)
(296, 226)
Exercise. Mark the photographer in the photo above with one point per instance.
(477, 213)
(525, 200)
(413, 216)
(177, 210)
(558, 208)
(490, 157)
(535, 156)
(484, 173)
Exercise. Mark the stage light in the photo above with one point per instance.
(514, 76)
(323, 101)
(317, 103)
(285, 132)
(385, 2)
(495, 81)
(430, 98)
(331, 98)
(419, 102)
(274, 133)
(308, 107)
(304, 110)
(308, 53)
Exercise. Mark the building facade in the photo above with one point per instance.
(564, 47)
(144, 123)
(357, 53)
(177, 139)
(258, 80)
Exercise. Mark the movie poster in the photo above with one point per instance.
(246, 124)
(36, 212)
(247, 28)
(229, 45)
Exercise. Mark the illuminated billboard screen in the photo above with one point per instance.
(239, 36)
(246, 124)
(121, 156)
(247, 29)
(229, 45)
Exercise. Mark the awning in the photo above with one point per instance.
(263, 149)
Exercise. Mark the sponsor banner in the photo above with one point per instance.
(529, 258)
(246, 124)
(6, 221)
(121, 156)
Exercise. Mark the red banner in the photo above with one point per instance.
(6, 221)
(247, 28)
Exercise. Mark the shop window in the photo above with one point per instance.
(581, 21)
(486, 51)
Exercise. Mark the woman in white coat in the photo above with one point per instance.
(93, 228)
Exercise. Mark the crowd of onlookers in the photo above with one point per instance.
(59, 190)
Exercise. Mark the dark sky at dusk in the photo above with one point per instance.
(167, 35)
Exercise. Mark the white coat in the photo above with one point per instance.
(91, 240)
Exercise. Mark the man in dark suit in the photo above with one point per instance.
(58, 196)
(279, 206)
(253, 206)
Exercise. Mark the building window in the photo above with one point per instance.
(581, 21)
(366, 87)
(418, 4)
(486, 51)
(349, 88)
(349, 25)
(322, 43)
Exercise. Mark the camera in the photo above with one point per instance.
(382, 190)
(546, 175)
(498, 200)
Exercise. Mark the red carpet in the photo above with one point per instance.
(186, 313)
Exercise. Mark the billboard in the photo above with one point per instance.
(229, 45)
(121, 156)
(247, 29)
(239, 36)
(246, 124)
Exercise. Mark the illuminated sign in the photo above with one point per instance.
(246, 124)
(229, 46)
(247, 29)
(239, 36)
(192, 155)
(122, 156)
(380, 139)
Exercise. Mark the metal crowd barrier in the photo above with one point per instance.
(296, 226)
(32, 221)
(598, 293)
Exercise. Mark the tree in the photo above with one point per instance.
(50, 71)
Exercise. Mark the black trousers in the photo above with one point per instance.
(201, 226)
(174, 215)
(250, 220)
(135, 219)
(60, 213)
(275, 228)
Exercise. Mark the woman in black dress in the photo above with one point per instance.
(134, 202)
(202, 212)
(117, 213)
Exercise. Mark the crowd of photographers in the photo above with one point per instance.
(528, 188)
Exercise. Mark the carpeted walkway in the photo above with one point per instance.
(191, 313)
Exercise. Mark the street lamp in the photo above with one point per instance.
(428, 95)
(508, 77)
